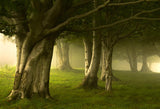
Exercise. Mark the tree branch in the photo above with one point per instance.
(130, 3)
(58, 27)
(125, 36)
(146, 18)
(136, 16)
(75, 17)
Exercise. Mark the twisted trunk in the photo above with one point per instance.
(106, 74)
(34, 77)
(40, 28)
(106, 62)
(63, 55)
(109, 75)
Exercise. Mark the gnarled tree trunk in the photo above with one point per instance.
(106, 74)
(34, 77)
(109, 74)
(106, 60)
(63, 55)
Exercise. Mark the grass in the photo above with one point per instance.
(136, 90)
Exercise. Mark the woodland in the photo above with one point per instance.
(106, 29)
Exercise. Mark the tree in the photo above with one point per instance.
(131, 51)
(87, 41)
(37, 25)
(92, 64)
(36, 31)
(63, 54)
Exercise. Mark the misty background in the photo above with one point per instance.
(76, 57)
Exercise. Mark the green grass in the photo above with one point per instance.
(134, 91)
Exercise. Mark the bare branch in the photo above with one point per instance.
(58, 27)
(146, 18)
(147, 11)
(125, 36)
(125, 3)
(76, 17)
(136, 16)
(130, 3)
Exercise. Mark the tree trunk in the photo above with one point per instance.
(109, 75)
(145, 67)
(107, 50)
(104, 63)
(63, 55)
(34, 78)
(132, 58)
(90, 80)
(88, 53)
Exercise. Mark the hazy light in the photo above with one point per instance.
(8, 56)
(155, 67)
(7, 51)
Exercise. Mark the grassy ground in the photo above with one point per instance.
(134, 91)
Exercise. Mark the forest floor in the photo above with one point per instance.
(136, 90)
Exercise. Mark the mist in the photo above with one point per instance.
(7, 52)
(76, 57)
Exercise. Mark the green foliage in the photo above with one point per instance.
(134, 91)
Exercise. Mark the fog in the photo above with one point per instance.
(76, 57)
(7, 52)
(8, 57)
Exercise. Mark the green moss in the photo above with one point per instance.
(134, 91)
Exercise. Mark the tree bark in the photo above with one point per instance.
(34, 78)
(63, 55)
(103, 61)
(145, 67)
(88, 53)
(109, 74)
(90, 80)
(106, 74)
(35, 45)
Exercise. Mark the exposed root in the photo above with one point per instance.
(16, 94)
(13, 95)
